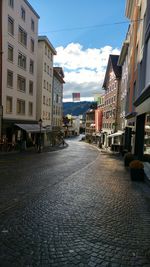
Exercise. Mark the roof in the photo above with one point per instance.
(112, 61)
(60, 71)
(59, 74)
(43, 38)
(32, 9)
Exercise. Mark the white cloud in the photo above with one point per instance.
(84, 68)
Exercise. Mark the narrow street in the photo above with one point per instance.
(72, 207)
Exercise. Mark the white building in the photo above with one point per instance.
(19, 69)
(58, 81)
(124, 63)
(46, 53)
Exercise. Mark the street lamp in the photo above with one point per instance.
(40, 139)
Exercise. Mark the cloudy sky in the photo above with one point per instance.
(84, 68)
(84, 33)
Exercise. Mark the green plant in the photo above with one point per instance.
(136, 164)
(129, 157)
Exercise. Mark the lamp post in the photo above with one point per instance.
(40, 139)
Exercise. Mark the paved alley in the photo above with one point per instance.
(74, 207)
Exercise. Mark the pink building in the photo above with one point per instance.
(99, 114)
(98, 119)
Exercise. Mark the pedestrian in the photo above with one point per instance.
(63, 142)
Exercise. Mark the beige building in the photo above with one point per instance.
(58, 81)
(46, 53)
(19, 69)
(136, 13)
(124, 63)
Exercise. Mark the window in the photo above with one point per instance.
(30, 87)
(21, 83)
(45, 50)
(43, 99)
(31, 67)
(32, 25)
(10, 53)
(30, 108)
(9, 78)
(21, 61)
(44, 84)
(20, 106)
(51, 57)
(32, 45)
(57, 98)
(50, 72)
(23, 13)
(22, 36)
(10, 25)
(50, 87)
(8, 104)
(45, 67)
(11, 3)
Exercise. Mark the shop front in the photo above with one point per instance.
(142, 140)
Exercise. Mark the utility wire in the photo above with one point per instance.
(92, 26)
(85, 27)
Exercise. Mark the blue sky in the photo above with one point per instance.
(68, 25)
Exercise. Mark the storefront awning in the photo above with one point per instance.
(115, 134)
(31, 128)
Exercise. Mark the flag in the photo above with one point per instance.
(76, 97)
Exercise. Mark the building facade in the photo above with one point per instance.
(19, 65)
(58, 81)
(133, 14)
(46, 53)
(111, 110)
(99, 114)
(142, 102)
(90, 125)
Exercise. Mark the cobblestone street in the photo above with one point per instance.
(73, 207)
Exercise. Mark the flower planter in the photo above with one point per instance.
(137, 174)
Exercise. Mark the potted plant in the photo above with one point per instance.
(137, 170)
(128, 158)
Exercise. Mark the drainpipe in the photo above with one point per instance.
(1, 108)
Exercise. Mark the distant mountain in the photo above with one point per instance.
(77, 108)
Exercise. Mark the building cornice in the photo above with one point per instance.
(57, 75)
(32, 9)
(44, 38)
(123, 53)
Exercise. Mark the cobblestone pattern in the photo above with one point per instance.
(94, 217)
(26, 174)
